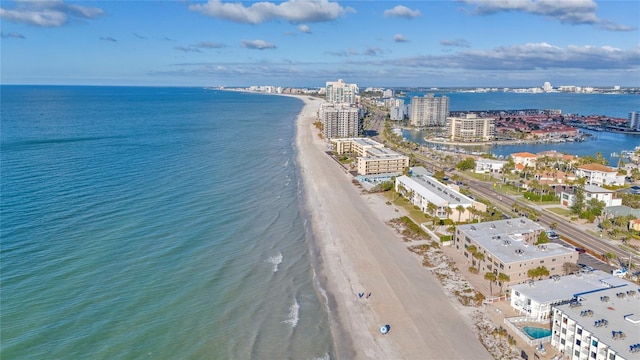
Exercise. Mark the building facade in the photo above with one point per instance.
(447, 203)
(489, 165)
(524, 158)
(597, 174)
(600, 325)
(634, 120)
(341, 92)
(470, 128)
(429, 110)
(372, 157)
(508, 246)
(339, 121)
(592, 192)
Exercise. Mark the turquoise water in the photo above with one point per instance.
(154, 223)
(536, 333)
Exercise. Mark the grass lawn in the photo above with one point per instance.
(415, 214)
(481, 177)
(561, 211)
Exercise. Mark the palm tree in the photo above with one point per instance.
(503, 278)
(491, 277)
(479, 256)
(431, 208)
(449, 211)
(460, 210)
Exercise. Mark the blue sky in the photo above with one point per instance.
(306, 43)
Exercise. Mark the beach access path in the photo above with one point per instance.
(359, 253)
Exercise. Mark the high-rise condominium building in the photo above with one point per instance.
(470, 128)
(339, 121)
(340, 92)
(429, 110)
(634, 120)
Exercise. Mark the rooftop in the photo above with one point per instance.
(596, 167)
(565, 288)
(596, 189)
(619, 307)
(525, 154)
(504, 239)
(435, 191)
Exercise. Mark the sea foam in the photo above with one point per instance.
(275, 260)
(294, 314)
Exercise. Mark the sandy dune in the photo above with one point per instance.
(359, 253)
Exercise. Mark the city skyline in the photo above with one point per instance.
(299, 43)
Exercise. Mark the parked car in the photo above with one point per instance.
(581, 250)
(586, 267)
(552, 235)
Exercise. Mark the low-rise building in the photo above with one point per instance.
(371, 157)
(592, 192)
(599, 325)
(524, 158)
(597, 174)
(535, 299)
(508, 246)
(447, 203)
(489, 165)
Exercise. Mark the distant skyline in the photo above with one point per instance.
(464, 43)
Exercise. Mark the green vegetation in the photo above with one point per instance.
(411, 229)
(538, 272)
(466, 164)
(541, 197)
(543, 238)
(630, 200)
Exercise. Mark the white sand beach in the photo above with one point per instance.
(359, 253)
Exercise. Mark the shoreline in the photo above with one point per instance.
(357, 252)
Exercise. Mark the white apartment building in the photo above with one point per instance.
(341, 92)
(597, 174)
(634, 120)
(508, 247)
(372, 157)
(470, 128)
(489, 165)
(535, 299)
(592, 192)
(339, 121)
(600, 325)
(429, 110)
(525, 159)
(423, 190)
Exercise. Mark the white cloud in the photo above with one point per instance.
(257, 44)
(304, 28)
(402, 12)
(575, 12)
(295, 11)
(455, 43)
(50, 13)
(400, 38)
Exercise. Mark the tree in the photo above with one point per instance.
(554, 225)
(449, 211)
(466, 164)
(478, 256)
(491, 277)
(543, 238)
(460, 210)
(503, 278)
(538, 272)
(578, 201)
(431, 208)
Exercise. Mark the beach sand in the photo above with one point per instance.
(359, 253)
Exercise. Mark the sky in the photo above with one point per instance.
(304, 43)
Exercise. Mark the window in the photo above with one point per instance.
(517, 293)
(562, 341)
(541, 261)
(579, 332)
(594, 343)
(578, 342)
(593, 354)
(553, 260)
(577, 353)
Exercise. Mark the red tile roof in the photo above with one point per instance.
(596, 167)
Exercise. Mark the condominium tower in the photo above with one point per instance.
(429, 110)
(339, 121)
(470, 128)
(340, 92)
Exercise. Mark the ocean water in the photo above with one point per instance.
(162, 223)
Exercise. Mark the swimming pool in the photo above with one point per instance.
(536, 332)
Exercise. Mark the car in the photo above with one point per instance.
(552, 235)
(585, 267)
(581, 250)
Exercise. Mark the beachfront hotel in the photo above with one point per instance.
(470, 128)
(508, 247)
(372, 157)
(536, 299)
(449, 203)
(339, 120)
(429, 110)
(599, 325)
(341, 92)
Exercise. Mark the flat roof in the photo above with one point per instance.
(504, 239)
(596, 189)
(382, 153)
(621, 310)
(565, 288)
(434, 190)
(420, 171)
(490, 161)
